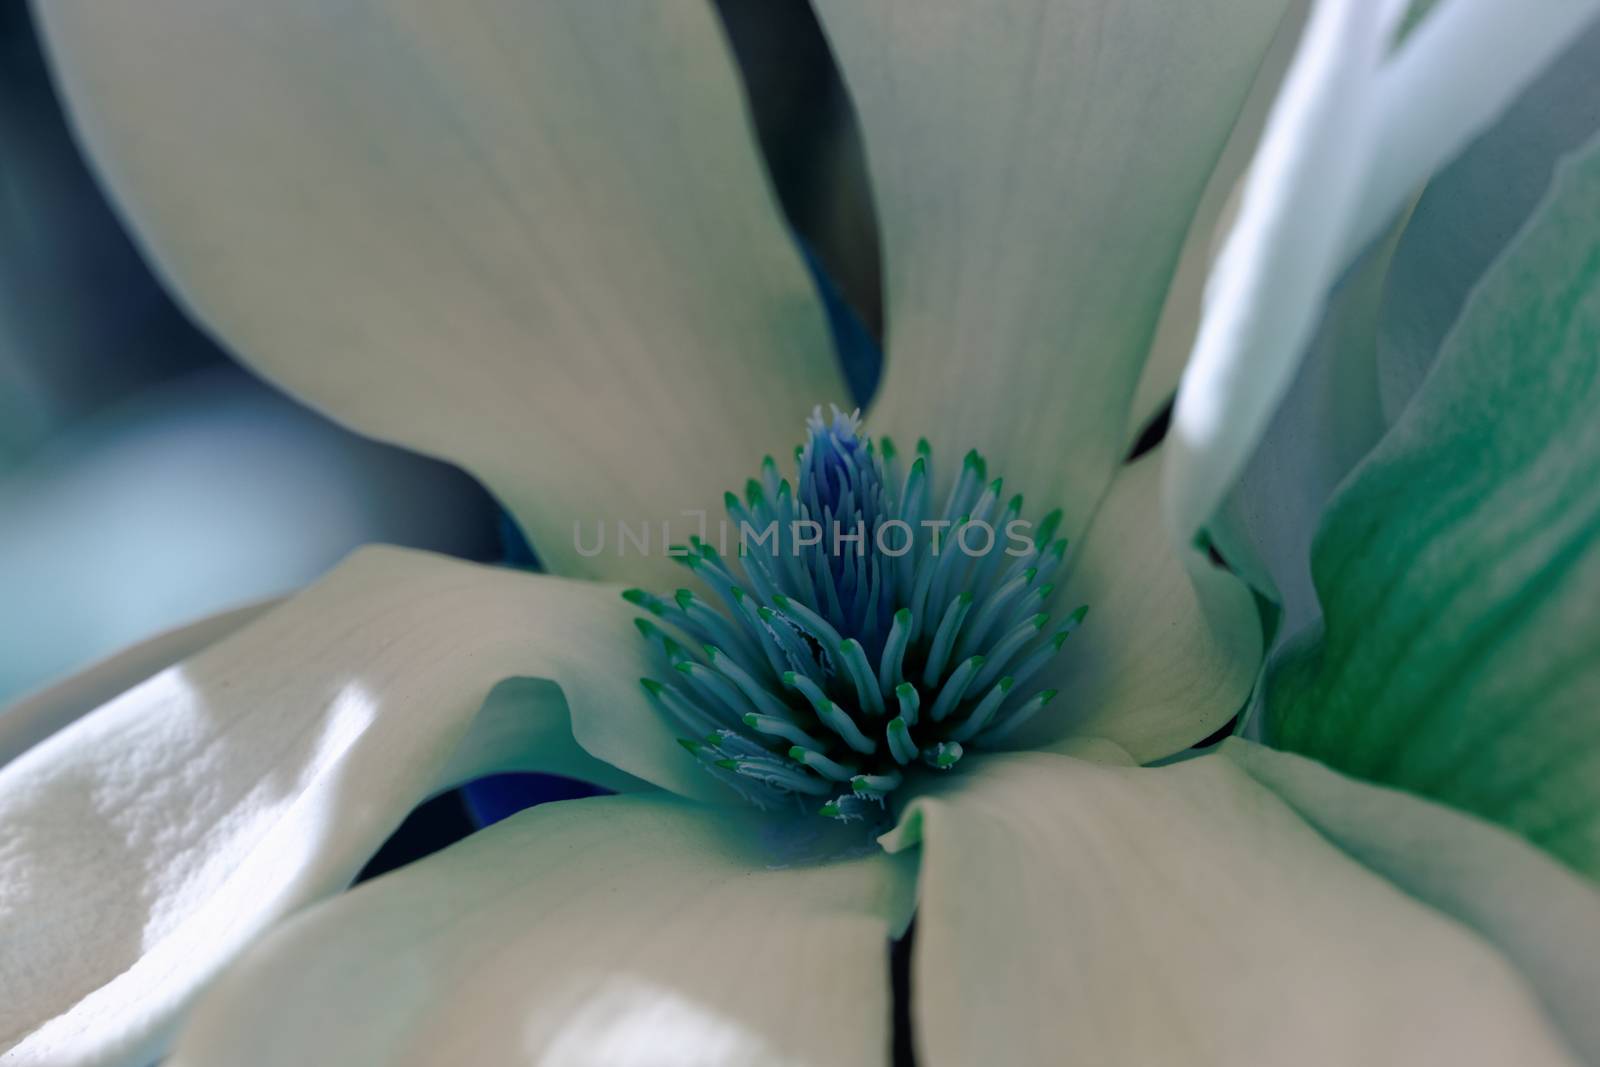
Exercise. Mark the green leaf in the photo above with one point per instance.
(1459, 569)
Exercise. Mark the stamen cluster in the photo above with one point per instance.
(860, 633)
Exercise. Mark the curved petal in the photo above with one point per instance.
(533, 238)
(1213, 217)
(617, 930)
(1166, 655)
(1460, 657)
(1540, 915)
(1472, 210)
(36, 716)
(1328, 420)
(1033, 199)
(153, 839)
(193, 496)
(1268, 284)
(1355, 131)
(1448, 81)
(1183, 915)
(82, 321)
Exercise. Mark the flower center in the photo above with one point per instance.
(862, 633)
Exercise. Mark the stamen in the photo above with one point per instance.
(831, 666)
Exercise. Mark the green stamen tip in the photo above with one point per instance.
(857, 706)
(1079, 613)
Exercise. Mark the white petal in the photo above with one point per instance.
(193, 496)
(1472, 210)
(615, 931)
(1034, 198)
(1328, 420)
(36, 716)
(153, 839)
(1213, 218)
(1268, 285)
(1449, 80)
(1166, 655)
(1083, 914)
(1354, 133)
(1540, 914)
(533, 238)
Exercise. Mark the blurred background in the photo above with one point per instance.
(147, 479)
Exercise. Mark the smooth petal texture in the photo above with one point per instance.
(36, 716)
(195, 496)
(1472, 210)
(1267, 287)
(1450, 78)
(1540, 915)
(615, 931)
(153, 839)
(533, 238)
(1213, 218)
(1183, 915)
(1356, 130)
(1164, 657)
(1033, 199)
(1329, 419)
(1457, 568)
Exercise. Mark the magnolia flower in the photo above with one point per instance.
(143, 482)
(533, 238)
